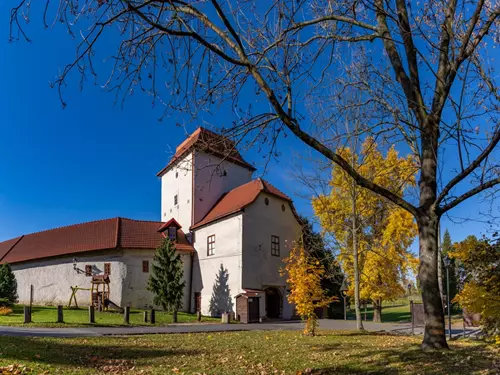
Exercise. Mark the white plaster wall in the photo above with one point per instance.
(210, 184)
(182, 185)
(260, 268)
(53, 277)
(135, 283)
(228, 246)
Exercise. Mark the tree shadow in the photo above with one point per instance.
(458, 360)
(221, 300)
(81, 353)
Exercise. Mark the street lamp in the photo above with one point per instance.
(343, 292)
(447, 262)
(409, 292)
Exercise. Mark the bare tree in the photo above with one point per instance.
(424, 68)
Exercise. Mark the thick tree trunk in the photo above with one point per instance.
(377, 311)
(434, 336)
(440, 264)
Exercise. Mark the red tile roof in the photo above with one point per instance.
(240, 197)
(116, 233)
(207, 141)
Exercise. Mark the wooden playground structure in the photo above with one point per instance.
(99, 294)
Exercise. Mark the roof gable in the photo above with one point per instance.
(237, 199)
(212, 143)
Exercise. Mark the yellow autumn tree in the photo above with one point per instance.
(478, 261)
(368, 226)
(304, 274)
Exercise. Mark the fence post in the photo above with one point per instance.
(198, 316)
(145, 315)
(60, 316)
(91, 314)
(27, 314)
(152, 317)
(412, 320)
(126, 315)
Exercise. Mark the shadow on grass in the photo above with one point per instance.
(458, 360)
(81, 353)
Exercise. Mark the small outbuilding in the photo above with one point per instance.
(248, 307)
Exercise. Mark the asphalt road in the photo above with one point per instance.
(396, 328)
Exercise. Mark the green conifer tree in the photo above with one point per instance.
(8, 285)
(166, 280)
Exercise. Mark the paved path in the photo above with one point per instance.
(401, 328)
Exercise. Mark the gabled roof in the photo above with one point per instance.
(237, 199)
(116, 233)
(212, 143)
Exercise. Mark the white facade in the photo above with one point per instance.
(214, 177)
(227, 258)
(178, 182)
(52, 278)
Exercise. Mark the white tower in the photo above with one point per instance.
(205, 166)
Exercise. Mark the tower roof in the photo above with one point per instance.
(212, 143)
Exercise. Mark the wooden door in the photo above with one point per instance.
(253, 309)
(197, 302)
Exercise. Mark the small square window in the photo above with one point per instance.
(176, 199)
(275, 246)
(145, 266)
(88, 270)
(211, 245)
(107, 268)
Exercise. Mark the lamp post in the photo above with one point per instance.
(343, 292)
(447, 262)
(409, 292)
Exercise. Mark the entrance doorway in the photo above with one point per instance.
(273, 303)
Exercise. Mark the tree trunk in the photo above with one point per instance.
(377, 311)
(434, 336)
(440, 264)
(355, 255)
(174, 316)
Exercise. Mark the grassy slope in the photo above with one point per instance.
(47, 316)
(276, 352)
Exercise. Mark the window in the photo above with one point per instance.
(145, 266)
(172, 233)
(88, 270)
(283, 207)
(175, 200)
(266, 201)
(107, 268)
(211, 245)
(275, 246)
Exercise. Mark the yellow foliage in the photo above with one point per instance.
(304, 277)
(384, 231)
(5, 310)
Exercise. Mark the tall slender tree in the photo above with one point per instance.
(166, 279)
(446, 249)
(424, 71)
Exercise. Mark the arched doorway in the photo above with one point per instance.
(273, 303)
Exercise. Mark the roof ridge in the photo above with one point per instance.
(142, 221)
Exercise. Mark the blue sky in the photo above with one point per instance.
(93, 159)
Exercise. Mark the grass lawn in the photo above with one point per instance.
(399, 313)
(46, 316)
(256, 352)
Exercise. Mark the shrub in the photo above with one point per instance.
(4, 302)
(5, 311)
